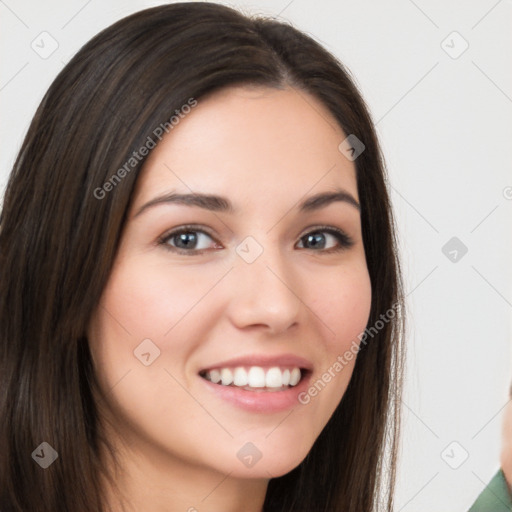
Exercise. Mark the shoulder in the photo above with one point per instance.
(495, 496)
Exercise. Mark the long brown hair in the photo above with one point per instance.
(58, 241)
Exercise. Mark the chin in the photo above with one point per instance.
(268, 469)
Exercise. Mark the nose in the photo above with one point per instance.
(265, 294)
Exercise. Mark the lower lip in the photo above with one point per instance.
(260, 401)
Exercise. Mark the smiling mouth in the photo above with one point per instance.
(256, 378)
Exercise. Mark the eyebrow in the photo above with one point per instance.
(222, 204)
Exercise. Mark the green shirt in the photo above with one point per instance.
(495, 497)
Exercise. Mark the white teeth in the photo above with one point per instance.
(273, 378)
(215, 376)
(255, 377)
(294, 377)
(226, 376)
(240, 378)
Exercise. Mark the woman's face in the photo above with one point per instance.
(254, 292)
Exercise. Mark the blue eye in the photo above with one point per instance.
(187, 240)
(192, 241)
(317, 240)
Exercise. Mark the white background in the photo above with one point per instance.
(446, 129)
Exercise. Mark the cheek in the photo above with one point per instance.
(149, 300)
(145, 300)
(135, 306)
(344, 302)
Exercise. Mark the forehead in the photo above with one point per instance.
(251, 142)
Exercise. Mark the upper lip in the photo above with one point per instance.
(263, 360)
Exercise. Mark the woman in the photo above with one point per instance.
(201, 300)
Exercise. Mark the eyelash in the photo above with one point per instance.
(344, 241)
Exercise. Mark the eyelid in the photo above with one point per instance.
(323, 227)
(186, 227)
